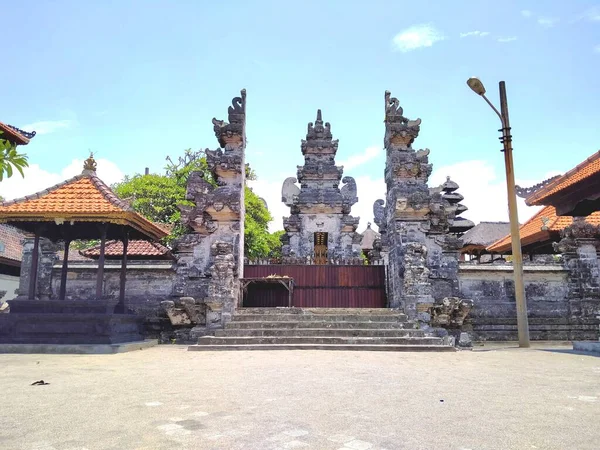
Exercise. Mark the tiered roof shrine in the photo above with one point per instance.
(320, 225)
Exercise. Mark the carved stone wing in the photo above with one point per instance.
(379, 212)
(289, 191)
(348, 191)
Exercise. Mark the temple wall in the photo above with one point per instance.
(493, 316)
(148, 283)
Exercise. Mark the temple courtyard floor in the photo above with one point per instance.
(496, 397)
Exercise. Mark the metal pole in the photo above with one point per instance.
(522, 321)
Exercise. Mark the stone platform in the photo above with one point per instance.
(321, 329)
(78, 349)
(587, 346)
(68, 323)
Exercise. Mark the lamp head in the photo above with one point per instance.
(476, 85)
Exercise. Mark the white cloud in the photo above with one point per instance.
(417, 36)
(270, 191)
(37, 179)
(48, 126)
(526, 13)
(484, 190)
(507, 39)
(591, 15)
(547, 22)
(474, 33)
(358, 160)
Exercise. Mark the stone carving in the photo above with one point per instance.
(421, 227)
(348, 191)
(450, 312)
(289, 191)
(90, 163)
(185, 311)
(319, 205)
(379, 213)
(221, 287)
(209, 257)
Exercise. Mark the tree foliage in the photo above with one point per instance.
(157, 196)
(10, 159)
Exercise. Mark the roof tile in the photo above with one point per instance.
(586, 169)
(537, 228)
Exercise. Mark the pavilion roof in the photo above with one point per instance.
(138, 249)
(368, 237)
(484, 234)
(82, 199)
(578, 175)
(543, 226)
(11, 248)
(15, 135)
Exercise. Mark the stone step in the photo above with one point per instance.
(345, 347)
(281, 317)
(210, 340)
(321, 311)
(236, 325)
(318, 332)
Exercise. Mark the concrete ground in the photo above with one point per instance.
(168, 398)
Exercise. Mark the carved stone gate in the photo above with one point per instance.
(318, 286)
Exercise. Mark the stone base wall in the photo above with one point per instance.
(148, 284)
(551, 314)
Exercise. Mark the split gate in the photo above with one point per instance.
(317, 286)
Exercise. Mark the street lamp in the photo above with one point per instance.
(522, 323)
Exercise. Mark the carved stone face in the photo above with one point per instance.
(401, 204)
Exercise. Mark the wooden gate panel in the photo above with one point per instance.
(320, 286)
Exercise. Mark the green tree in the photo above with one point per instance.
(157, 196)
(10, 158)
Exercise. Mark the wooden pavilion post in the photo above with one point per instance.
(33, 273)
(100, 275)
(123, 270)
(63, 273)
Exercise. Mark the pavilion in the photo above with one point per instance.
(540, 232)
(85, 208)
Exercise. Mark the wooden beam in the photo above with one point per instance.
(100, 275)
(63, 273)
(123, 270)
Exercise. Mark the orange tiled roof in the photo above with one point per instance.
(15, 135)
(539, 228)
(10, 243)
(586, 169)
(134, 248)
(83, 198)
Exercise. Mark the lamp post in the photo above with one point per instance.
(522, 322)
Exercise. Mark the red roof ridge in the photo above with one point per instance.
(44, 192)
(23, 137)
(544, 191)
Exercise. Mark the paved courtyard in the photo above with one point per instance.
(168, 398)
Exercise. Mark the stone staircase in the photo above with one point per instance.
(321, 329)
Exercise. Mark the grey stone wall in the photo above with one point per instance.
(493, 316)
(148, 283)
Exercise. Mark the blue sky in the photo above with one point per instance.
(135, 81)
